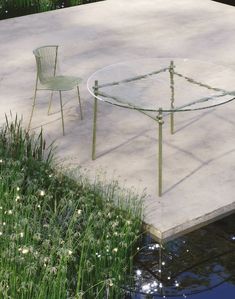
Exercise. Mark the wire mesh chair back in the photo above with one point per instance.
(47, 75)
(46, 60)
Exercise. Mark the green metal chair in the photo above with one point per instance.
(47, 79)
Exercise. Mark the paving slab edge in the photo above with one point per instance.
(189, 226)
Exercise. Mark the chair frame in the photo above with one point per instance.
(37, 57)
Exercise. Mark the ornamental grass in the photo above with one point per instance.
(60, 237)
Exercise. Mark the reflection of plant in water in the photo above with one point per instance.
(201, 260)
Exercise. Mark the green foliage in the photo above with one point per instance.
(14, 8)
(76, 2)
(60, 238)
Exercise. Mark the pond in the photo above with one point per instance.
(12, 8)
(229, 2)
(199, 265)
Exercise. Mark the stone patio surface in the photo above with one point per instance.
(199, 160)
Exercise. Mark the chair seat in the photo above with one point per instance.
(61, 83)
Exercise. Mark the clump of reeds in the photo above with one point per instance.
(60, 238)
(14, 8)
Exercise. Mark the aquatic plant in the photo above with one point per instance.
(60, 237)
(14, 8)
(10, 8)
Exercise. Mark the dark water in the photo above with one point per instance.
(15, 8)
(229, 2)
(200, 265)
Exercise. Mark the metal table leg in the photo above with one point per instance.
(160, 123)
(94, 122)
(171, 70)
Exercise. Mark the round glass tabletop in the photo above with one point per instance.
(169, 84)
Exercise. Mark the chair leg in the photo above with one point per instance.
(49, 107)
(33, 106)
(62, 114)
(80, 105)
(94, 130)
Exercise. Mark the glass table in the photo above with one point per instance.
(159, 88)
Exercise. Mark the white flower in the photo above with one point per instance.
(21, 234)
(177, 284)
(53, 270)
(25, 250)
(18, 188)
(70, 252)
(46, 260)
(42, 192)
(154, 284)
(138, 272)
(9, 212)
(1, 160)
(17, 198)
(115, 249)
(146, 287)
(1, 233)
(79, 212)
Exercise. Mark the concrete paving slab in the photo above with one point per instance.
(199, 161)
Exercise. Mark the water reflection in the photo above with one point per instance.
(200, 264)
